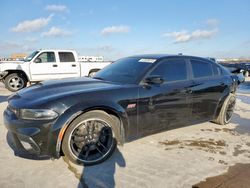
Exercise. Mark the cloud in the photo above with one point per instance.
(185, 36)
(246, 43)
(115, 29)
(31, 40)
(57, 8)
(9, 47)
(212, 22)
(107, 50)
(32, 25)
(56, 32)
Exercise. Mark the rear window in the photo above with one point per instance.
(66, 57)
(216, 70)
(201, 68)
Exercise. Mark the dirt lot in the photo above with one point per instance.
(177, 158)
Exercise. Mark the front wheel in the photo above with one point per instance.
(14, 82)
(89, 139)
(226, 111)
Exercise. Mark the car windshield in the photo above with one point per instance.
(30, 57)
(125, 71)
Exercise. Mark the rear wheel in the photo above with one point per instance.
(226, 110)
(14, 82)
(89, 139)
(93, 72)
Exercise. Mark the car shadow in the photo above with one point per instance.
(100, 175)
(20, 152)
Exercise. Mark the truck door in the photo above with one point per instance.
(44, 67)
(68, 66)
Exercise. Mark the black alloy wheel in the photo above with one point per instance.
(89, 140)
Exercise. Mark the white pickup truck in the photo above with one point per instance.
(45, 65)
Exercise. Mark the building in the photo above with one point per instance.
(18, 56)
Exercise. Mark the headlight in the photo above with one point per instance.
(37, 114)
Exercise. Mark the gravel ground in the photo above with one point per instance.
(177, 158)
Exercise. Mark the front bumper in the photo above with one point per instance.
(30, 136)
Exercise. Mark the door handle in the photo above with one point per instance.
(54, 65)
(222, 83)
(73, 65)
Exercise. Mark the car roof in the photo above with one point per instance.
(161, 56)
(55, 50)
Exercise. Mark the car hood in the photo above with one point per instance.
(11, 62)
(50, 90)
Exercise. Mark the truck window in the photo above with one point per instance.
(46, 57)
(66, 57)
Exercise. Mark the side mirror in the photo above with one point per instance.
(154, 79)
(38, 60)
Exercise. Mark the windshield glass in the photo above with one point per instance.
(125, 71)
(28, 58)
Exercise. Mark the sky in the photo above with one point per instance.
(118, 28)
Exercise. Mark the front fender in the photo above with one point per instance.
(58, 129)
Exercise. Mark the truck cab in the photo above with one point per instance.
(45, 65)
(54, 64)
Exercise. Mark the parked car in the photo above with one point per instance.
(243, 68)
(235, 70)
(136, 96)
(46, 65)
(246, 67)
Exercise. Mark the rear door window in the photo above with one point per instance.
(172, 70)
(66, 57)
(201, 68)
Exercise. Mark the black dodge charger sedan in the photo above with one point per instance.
(84, 118)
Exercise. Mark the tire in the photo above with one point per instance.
(93, 72)
(89, 139)
(14, 82)
(226, 111)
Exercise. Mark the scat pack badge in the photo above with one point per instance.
(130, 106)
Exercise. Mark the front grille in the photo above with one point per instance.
(29, 144)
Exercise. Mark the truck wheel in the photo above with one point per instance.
(93, 72)
(246, 74)
(89, 139)
(226, 111)
(14, 82)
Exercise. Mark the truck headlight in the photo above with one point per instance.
(37, 114)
